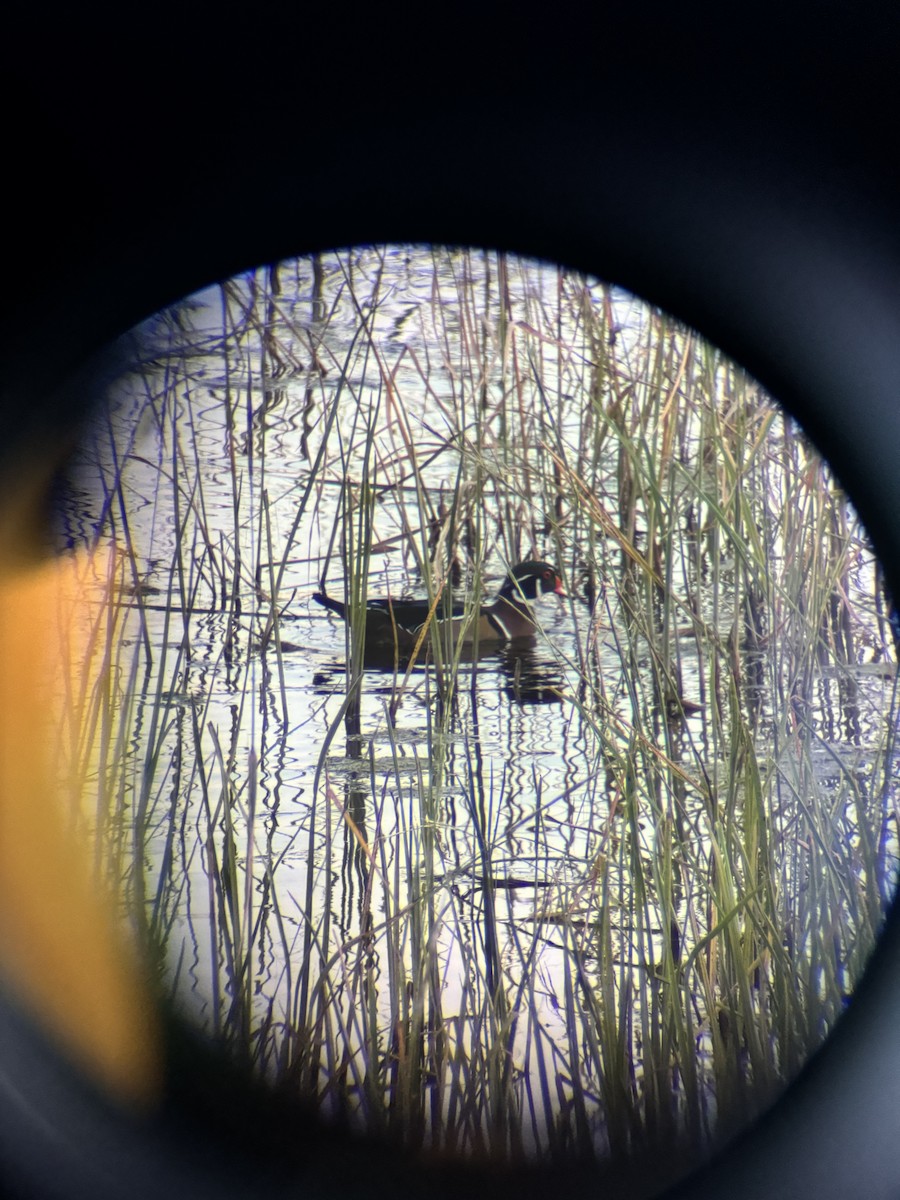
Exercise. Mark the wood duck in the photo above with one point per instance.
(397, 623)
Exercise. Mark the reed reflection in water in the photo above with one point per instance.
(601, 891)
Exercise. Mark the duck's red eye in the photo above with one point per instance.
(547, 574)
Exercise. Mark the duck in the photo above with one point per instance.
(395, 625)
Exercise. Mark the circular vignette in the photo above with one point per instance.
(735, 233)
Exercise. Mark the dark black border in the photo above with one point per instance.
(737, 167)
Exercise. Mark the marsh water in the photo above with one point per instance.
(606, 888)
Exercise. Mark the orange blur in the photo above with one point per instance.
(63, 955)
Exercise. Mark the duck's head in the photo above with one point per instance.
(530, 579)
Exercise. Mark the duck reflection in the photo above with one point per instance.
(528, 673)
(531, 675)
